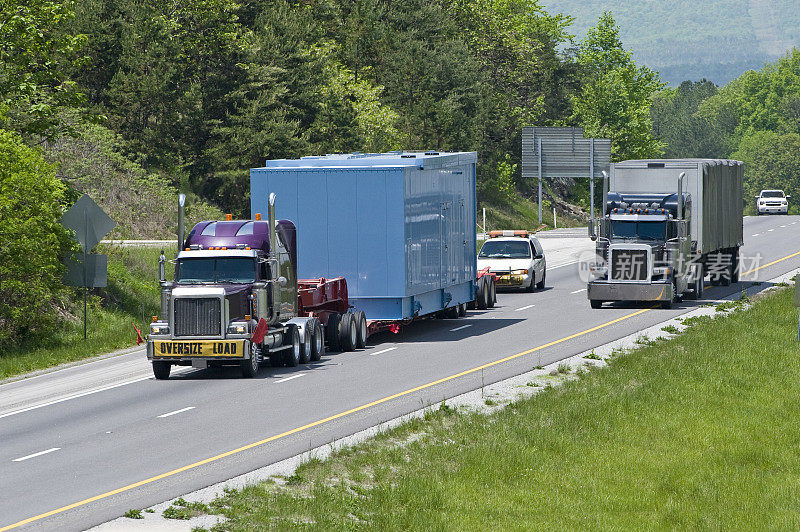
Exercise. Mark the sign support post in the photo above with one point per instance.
(539, 152)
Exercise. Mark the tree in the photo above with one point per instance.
(615, 99)
(676, 122)
(35, 58)
(32, 242)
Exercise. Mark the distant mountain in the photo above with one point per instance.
(694, 39)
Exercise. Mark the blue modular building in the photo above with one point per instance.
(400, 226)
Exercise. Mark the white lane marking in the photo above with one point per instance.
(177, 411)
(756, 234)
(288, 378)
(578, 291)
(526, 307)
(382, 351)
(459, 328)
(794, 223)
(75, 396)
(34, 455)
(768, 230)
(783, 226)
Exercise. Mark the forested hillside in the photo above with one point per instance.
(755, 118)
(687, 40)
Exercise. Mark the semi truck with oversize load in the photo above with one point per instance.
(235, 299)
(389, 236)
(666, 225)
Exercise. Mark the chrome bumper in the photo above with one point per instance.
(605, 291)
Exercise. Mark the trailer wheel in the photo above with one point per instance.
(161, 369)
(735, 265)
(291, 357)
(492, 292)
(361, 329)
(250, 367)
(480, 294)
(305, 345)
(317, 341)
(332, 331)
(595, 303)
(451, 313)
(462, 310)
(347, 333)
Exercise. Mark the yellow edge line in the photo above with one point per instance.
(765, 265)
(310, 425)
(337, 416)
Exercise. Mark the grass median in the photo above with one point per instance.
(132, 295)
(699, 431)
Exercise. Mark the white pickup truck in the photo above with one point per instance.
(772, 201)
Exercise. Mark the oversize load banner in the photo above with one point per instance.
(197, 348)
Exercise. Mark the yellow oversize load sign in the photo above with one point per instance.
(199, 348)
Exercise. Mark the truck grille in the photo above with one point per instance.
(629, 265)
(197, 317)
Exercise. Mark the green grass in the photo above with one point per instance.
(132, 293)
(699, 431)
(520, 213)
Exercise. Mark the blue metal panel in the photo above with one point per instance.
(399, 227)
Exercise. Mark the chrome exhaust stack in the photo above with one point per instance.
(274, 262)
(181, 227)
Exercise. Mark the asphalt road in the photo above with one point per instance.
(82, 445)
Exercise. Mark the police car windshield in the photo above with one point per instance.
(215, 270)
(639, 230)
(505, 249)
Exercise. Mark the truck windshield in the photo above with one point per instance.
(505, 249)
(772, 194)
(216, 270)
(639, 230)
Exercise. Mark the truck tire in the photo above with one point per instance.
(291, 357)
(317, 340)
(735, 265)
(492, 292)
(595, 303)
(540, 284)
(697, 283)
(480, 294)
(305, 345)
(451, 313)
(347, 333)
(332, 331)
(361, 329)
(161, 369)
(462, 310)
(250, 366)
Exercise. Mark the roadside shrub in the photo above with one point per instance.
(32, 242)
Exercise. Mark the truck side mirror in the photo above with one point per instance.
(591, 230)
(282, 281)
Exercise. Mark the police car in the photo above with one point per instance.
(516, 257)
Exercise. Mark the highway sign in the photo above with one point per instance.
(89, 222)
(94, 275)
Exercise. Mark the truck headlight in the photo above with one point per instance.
(519, 272)
(159, 328)
(238, 327)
